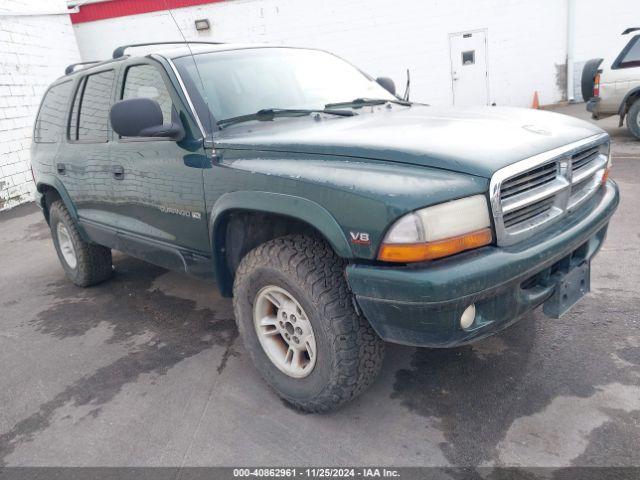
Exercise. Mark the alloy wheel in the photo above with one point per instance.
(284, 331)
(66, 246)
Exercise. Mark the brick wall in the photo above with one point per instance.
(34, 50)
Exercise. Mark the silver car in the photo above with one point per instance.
(611, 86)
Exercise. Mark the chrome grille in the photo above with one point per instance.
(584, 158)
(529, 180)
(528, 212)
(529, 195)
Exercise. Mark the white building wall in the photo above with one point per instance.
(526, 38)
(34, 50)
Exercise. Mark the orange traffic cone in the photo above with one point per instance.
(536, 101)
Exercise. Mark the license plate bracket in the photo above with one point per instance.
(570, 288)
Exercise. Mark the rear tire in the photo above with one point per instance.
(309, 276)
(633, 119)
(84, 263)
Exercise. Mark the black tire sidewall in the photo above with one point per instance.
(296, 389)
(633, 119)
(54, 219)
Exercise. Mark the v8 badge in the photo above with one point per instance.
(360, 238)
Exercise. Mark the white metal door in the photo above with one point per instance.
(469, 68)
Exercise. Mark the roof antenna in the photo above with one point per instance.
(407, 89)
(212, 122)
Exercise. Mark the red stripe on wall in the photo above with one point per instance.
(122, 8)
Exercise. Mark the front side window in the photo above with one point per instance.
(51, 117)
(145, 81)
(90, 114)
(241, 82)
(630, 56)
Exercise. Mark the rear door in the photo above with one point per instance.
(627, 66)
(617, 79)
(83, 164)
(159, 190)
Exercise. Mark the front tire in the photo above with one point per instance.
(84, 263)
(337, 354)
(633, 119)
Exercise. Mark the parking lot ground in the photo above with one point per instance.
(147, 370)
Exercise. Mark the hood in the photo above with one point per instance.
(475, 140)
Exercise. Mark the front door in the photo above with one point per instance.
(469, 68)
(158, 187)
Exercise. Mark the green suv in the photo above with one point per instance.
(337, 214)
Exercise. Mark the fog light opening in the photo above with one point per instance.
(468, 316)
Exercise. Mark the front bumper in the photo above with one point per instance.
(421, 304)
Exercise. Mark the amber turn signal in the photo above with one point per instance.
(418, 252)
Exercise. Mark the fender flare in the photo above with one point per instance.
(623, 105)
(46, 179)
(292, 206)
(49, 180)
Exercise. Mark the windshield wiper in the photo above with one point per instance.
(367, 102)
(267, 114)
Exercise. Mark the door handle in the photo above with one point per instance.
(118, 172)
(61, 168)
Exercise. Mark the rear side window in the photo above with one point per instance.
(90, 114)
(52, 114)
(630, 56)
(145, 81)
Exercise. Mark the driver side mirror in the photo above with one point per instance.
(387, 84)
(142, 117)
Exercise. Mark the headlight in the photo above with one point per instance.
(605, 149)
(438, 231)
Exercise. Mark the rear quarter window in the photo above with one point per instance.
(630, 55)
(51, 116)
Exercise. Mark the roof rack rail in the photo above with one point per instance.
(72, 68)
(629, 30)
(119, 52)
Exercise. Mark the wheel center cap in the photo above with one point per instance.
(289, 328)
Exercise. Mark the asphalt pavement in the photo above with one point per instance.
(147, 370)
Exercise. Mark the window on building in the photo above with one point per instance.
(51, 117)
(90, 114)
(145, 81)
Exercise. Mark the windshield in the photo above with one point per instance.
(242, 82)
